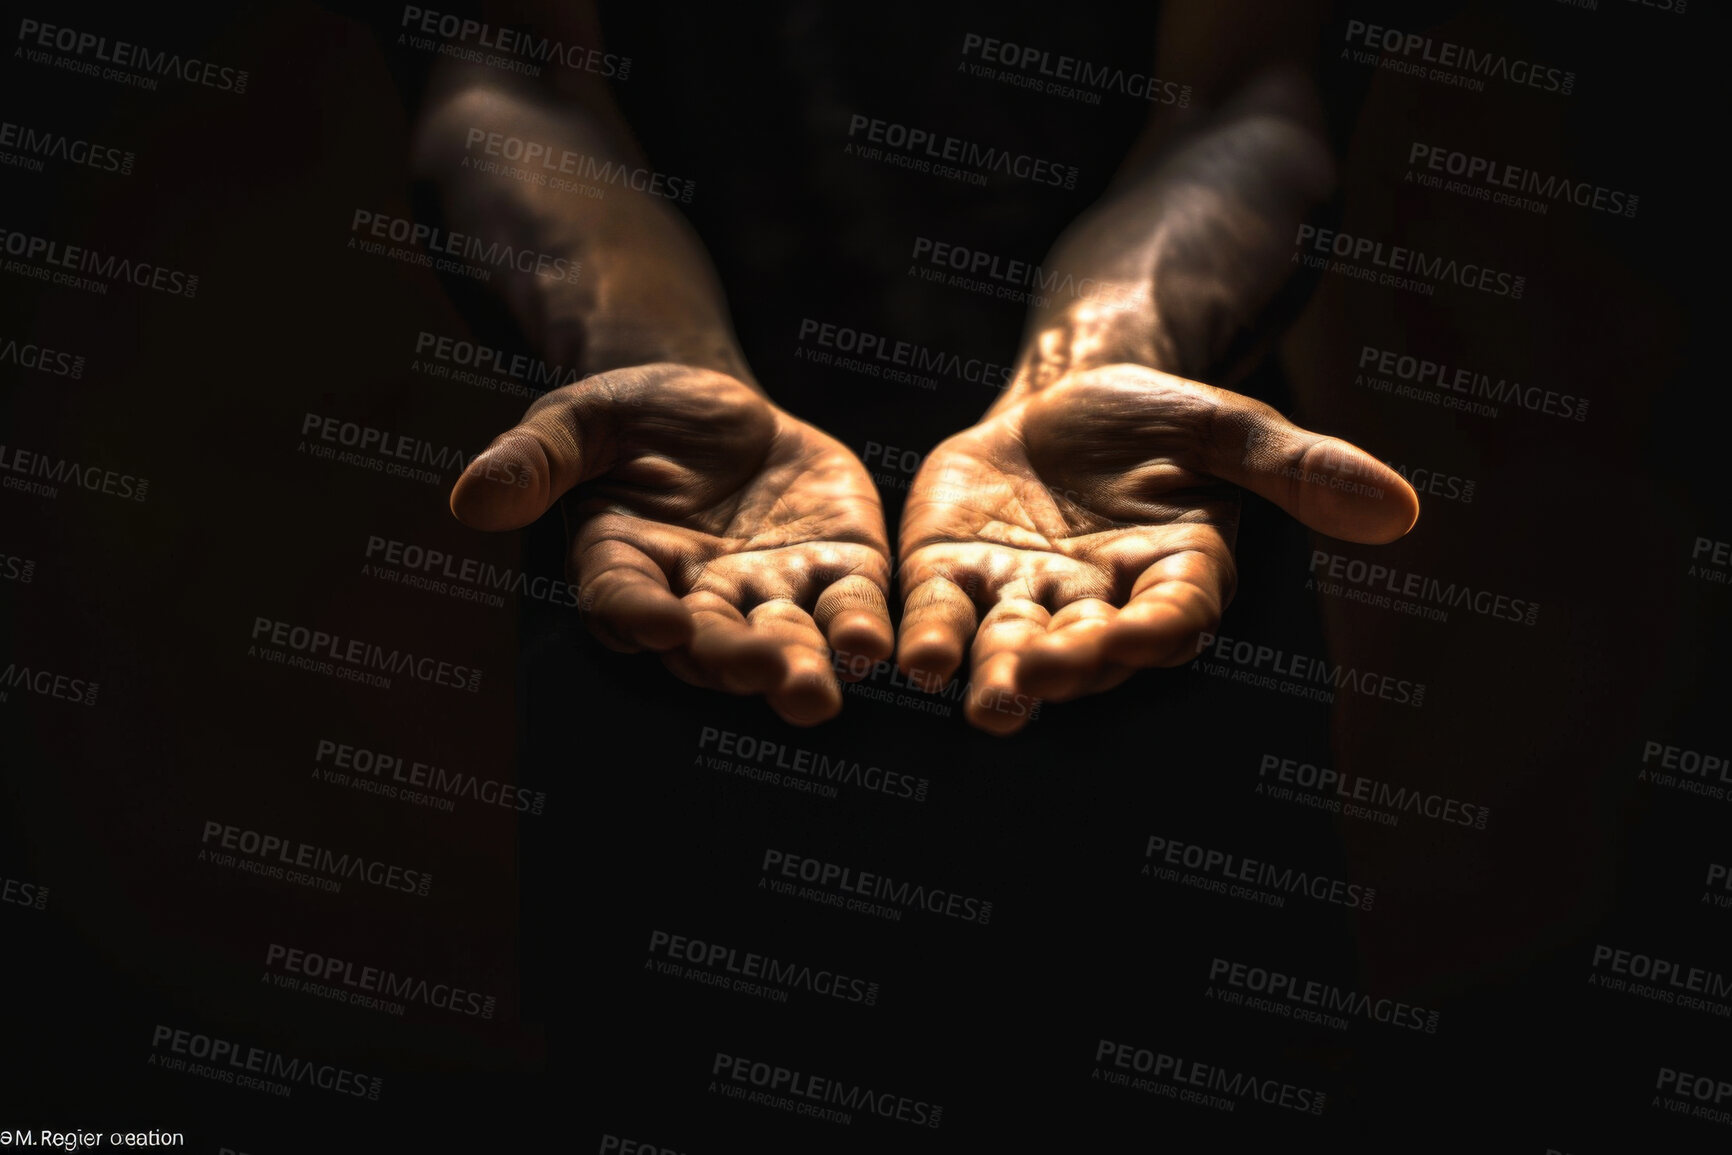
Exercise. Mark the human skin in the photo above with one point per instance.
(1084, 528)
(707, 523)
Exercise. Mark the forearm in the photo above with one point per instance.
(1185, 254)
(645, 290)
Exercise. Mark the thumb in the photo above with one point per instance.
(561, 442)
(1328, 484)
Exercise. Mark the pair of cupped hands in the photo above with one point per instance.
(1082, 530)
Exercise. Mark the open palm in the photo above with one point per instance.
(707, 524)
(1086, 531)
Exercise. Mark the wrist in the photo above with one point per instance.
(1185, 264)
(606, 347)
(1118, 325)
(638, 305)
(642, 290)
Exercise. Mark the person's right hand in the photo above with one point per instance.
(742, 544)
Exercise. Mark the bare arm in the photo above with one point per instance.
(646, 291)
(1084, 528)
(1192, 244)
(744, 545)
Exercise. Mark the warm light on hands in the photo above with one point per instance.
(1087, 531)
(708, 525)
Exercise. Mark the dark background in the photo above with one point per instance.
(1546, 725)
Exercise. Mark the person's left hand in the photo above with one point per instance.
(1086, 529)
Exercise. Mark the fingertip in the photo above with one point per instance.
(995, 704)
(854, 618)
(1356, 497)
(471, 506)
(1048, 667)
(938, 619)
(864, 633)
(1152, 635)
(986, 714)
(805, 701)
(1374, 527)
(1403, 516)
(498, 490)
(929, 659)
(805, 721)
(808, 691)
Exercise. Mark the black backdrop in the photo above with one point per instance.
(1513, 948)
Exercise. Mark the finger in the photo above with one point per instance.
(1326, 483)
(626, 600)
(558, 444)
(938, 620)
(994, 703)
(855, 619)
(808, 692)
(1066, 661)
(1172, 603)
(725, 653)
